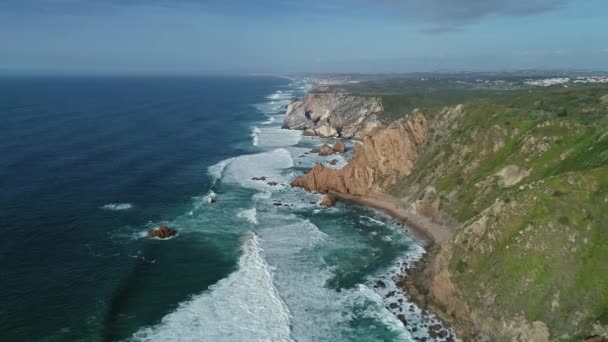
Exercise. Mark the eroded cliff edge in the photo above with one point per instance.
(328, 114)
(378, 161)
(525, 196)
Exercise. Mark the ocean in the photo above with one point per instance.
(89, 164)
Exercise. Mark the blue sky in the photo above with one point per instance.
(284, 36)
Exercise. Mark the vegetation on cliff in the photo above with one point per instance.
(522, 177)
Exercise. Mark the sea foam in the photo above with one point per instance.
(245, 306)
(250, 215)
(117, 206)
(273, 137)
(270, 164)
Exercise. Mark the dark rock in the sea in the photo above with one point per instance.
(339, 147)
(390, 294)
(258, 178)
(393, 305)
(333, 162)
(400, 300)
(402, 319)
(312, 202)
(162, 232)
(212, 199)
(380, 284)
(328, 201)
(278, 204)
(435, 331)
(315, 150)
(325, 150)
(272, 183)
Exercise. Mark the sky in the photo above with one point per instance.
(295, 36)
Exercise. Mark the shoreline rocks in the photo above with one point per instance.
(325, 150)
(328, 201)
(339, 147)
(377, 163)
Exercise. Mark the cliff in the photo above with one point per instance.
(377, 163)
(333, 114)
(523, 181)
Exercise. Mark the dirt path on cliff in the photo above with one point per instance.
(392, 206)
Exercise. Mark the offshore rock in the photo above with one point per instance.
(325, 150)
(162, 232)
(339, 147)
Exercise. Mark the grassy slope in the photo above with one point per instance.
(542, 249)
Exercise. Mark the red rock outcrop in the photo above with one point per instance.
(339, 147)
(376, 164)
(325, 150)
(328, 201)
(162, 232)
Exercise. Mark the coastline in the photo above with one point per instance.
(421, 227)
(415, 280)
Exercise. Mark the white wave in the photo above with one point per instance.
(367, 219)
(270, 120)
(274, 137)
(250, 215)
(262, 195)
(293, 248)
(245, 306)
(216, 171)
(117, 206)
(270, 165)
(211, 196)
(255, 135)
(281, 95)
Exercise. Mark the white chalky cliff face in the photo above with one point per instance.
(333, 114)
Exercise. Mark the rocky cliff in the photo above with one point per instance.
(524, 186)
(378, 161)
(333, 114)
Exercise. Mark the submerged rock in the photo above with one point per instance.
(162, 232)
(333, 162)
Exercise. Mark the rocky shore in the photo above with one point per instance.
(379, 160)
(491, 187)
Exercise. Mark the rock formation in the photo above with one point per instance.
(376, 164)
(328, 201)
(325, 150)
(339, 147)
(162, 232)
(333, 114)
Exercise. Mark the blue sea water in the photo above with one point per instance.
(89, 164)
